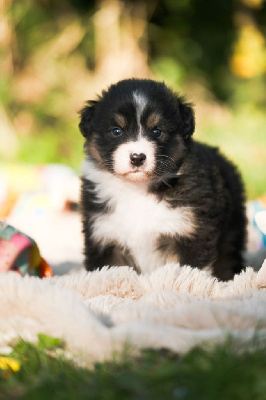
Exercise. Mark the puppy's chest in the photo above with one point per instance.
(136, 219)
(134, 216)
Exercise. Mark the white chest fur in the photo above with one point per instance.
(136, 219)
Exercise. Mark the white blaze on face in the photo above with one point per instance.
(121, 157)
(141, 102)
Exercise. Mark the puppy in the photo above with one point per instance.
(150, 193)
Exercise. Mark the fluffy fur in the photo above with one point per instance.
(96, 313)
(150, 193)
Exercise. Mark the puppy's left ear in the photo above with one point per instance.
(86, 115)
(188, 118)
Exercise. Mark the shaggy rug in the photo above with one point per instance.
(96, 313)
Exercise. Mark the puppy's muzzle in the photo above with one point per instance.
(137, 159)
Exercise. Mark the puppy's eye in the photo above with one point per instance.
(117, 132)
(156, 132)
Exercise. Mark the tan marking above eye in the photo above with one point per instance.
(153, 120)
(120, 120)
(92, 149)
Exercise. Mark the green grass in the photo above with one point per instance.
(225, 372)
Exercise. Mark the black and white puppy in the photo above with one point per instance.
(150, 194)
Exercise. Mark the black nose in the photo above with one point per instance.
(137, 159)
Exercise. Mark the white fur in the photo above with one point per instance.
(141, 102)
(173, 307)
(136, 219)
(121, 158)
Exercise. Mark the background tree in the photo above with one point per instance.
(55, 55)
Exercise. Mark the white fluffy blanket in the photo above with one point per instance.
(96, 313)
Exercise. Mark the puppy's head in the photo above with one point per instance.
(138, 129)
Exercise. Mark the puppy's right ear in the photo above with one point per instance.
(188, 118)
(86, 115)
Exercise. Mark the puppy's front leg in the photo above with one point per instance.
(197, 253)
(98, 256)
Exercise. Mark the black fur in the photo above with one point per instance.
(200, 177)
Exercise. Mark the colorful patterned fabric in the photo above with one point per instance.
(257, 215)
(20, 253)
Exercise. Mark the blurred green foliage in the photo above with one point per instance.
(199, 40)
(50, 61)
(242, 138)
(230, 371)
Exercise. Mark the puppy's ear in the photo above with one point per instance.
(188, 118)
(86, 115)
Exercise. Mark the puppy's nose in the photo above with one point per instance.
(137, 159)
